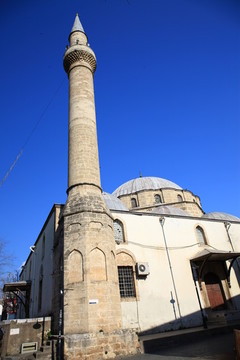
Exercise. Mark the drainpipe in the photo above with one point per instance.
(60, 328)
(32, 248)
(162, 221)
(227, 227)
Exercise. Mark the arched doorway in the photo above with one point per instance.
(214, 291)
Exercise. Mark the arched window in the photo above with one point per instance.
(180, 199)
(126, 275)
(201, 236)
(118, 231)
(133, 202)
(157, 199)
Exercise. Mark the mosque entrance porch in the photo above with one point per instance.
(213, 274)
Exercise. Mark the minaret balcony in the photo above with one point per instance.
(81, 54)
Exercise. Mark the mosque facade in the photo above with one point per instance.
(144, 259)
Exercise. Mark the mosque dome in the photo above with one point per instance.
(113, 203)
(220, 216)
(169, 210)
(144, 183)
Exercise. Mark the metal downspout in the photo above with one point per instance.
(162, 220)
(227, 227)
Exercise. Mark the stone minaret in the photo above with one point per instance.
(90, 282)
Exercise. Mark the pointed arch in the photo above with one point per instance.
(119, 233)
(97, 265)
(134, 202)
(201, 235)
(126, 275)
(179, 198)
(157, 199)
(75, 267)
(125, 257)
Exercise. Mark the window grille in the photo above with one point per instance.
(126, 281)
(118, 231)
(157, 199)
(201, 236)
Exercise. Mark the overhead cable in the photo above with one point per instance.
(31, 134)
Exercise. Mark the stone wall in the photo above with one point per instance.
(17, 332)
(101, 345)
(190, 202)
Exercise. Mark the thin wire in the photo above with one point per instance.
(31, 134)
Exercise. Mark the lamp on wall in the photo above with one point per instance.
(162, 220)
(32, 248)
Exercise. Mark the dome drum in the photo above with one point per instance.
(147, 198)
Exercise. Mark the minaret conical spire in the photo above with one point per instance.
(77, 26)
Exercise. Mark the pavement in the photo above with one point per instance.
(198, 344)
(215, 343)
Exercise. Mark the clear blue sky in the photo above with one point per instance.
(167, 90)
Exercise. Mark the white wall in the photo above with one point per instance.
(145, 240)
(32, 270)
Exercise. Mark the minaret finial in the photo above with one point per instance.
(77, 26)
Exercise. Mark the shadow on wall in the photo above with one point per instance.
(227, 315)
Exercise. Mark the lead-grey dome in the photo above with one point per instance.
(113, 203)
(144, 183)
(169, 210)
(220, 216)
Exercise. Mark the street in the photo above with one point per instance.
(220, 347)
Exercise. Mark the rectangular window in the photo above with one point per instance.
(43, 246)
(126, 281)
(30, 269)
(40, 295)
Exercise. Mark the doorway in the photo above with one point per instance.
(214, 291)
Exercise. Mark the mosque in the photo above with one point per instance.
(144, 259)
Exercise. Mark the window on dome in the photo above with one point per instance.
(201, 236)
(133, 202)
(180, 199)
(157, 199)
(118, 231)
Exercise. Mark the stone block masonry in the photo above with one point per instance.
(99, 346)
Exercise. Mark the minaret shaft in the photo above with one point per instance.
(83, 166)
